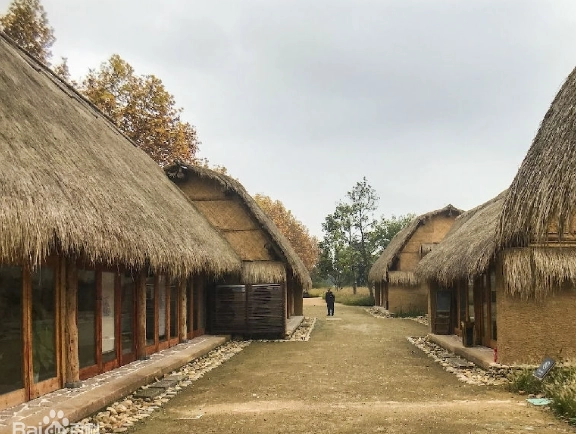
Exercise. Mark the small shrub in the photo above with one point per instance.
(560, 387)
(524, 381)
(346, 296)
(316, 292)
(357, 300)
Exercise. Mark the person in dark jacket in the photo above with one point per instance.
(330, 299)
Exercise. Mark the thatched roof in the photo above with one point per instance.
(379, 270)
(543, 192)
(468, 247)
(72, 183)
(181, 173)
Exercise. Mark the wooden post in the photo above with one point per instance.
(72, 365)
(141, 316)
(182, 333)
(299, 300)
(376, 293)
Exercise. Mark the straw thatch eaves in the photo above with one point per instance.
(72, 183)
(535, 272)
(380, 270)
(404, 278)
(257, 270)
(468, 247)
(543, 193)
(263, 271)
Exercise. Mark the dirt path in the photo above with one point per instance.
(357, 374)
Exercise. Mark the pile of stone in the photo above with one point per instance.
(380, 312)
(464, 370)
(123, 414)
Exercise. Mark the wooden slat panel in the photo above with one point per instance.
(265, 310)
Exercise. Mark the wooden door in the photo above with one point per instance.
(87, 318)
(127, 324)
(42, 308)
(489, 327)
(12, 331)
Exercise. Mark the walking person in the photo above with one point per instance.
(330, 299)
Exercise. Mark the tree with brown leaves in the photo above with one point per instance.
(27, 24)
(304, 244)
(143, 109)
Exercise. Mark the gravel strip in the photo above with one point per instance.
(301, 334)
(380, 312)
(465, 371)
(123, 414)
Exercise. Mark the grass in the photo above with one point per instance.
(346, 295)
(559, 386)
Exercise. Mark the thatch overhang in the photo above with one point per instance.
(263, 271)
(181, 173)
(403, 278)
(73, 184)
(379, 271)
(536, 272)
(468, 247)
(543, 193)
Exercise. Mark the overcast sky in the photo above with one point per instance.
(433, 101)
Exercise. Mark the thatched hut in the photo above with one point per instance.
(270, 286)
(537, 235)
(461, 273)
(96, 244)
(396, 286)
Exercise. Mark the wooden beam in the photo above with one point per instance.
(182, 302)
(72, 364)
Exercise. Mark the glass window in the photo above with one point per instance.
(86, 317)
(493, 304)
(471, 300)
(127, 320)
(11, 359)
(462, 301)
(108, 317)
(43, 324)
(150, 310)
(174, 303)
(162, 308)
(189, 300)
(196, 292)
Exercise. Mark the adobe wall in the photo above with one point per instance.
(529, 330)
(433, 231)
(408, 299)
